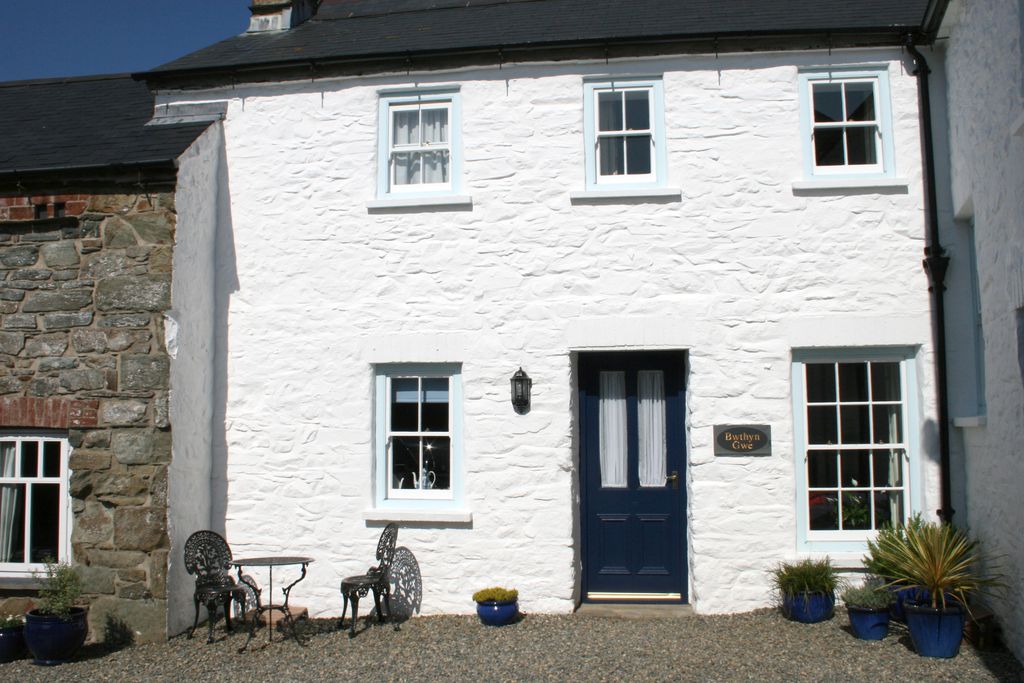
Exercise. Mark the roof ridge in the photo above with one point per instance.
(454, 5)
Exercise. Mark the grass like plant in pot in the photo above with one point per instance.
(12, 637)
(56, 628)
(497, 606)
(868, 609)
(943, 564)
(807, 589)
(877, 564)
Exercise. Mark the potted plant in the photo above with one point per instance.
(807, 589)
(877, 564)
(56, 628)
(12, 638)
(942, 564)
(868, 609)
(497, 606)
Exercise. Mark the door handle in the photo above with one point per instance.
(673, 479)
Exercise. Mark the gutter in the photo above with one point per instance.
(935, 263)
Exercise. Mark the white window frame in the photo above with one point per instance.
(29, 569)
(592, 90)
(386, 496)
(425, 98)
(879, 78)
(853, 541)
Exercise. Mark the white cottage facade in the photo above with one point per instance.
(666, 244)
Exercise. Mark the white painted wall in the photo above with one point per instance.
(739, 272)
(190, 325)
(985, 71)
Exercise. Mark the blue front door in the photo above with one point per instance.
(632, 458)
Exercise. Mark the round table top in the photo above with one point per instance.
(271, 561)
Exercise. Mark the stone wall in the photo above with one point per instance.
(84, 283)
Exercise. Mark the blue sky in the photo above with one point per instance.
(52, 38)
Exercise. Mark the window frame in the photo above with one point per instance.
(64, 513)
(592, 88)
(877, 75)
(384, 495)
(392, 100)
(853, 541)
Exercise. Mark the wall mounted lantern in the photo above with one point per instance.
(521, 384)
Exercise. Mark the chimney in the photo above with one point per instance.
(279, 15)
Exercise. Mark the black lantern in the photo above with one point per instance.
(521, 384)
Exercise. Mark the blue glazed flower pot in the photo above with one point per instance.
(53, 640)
(497, 613)
(809, 608)
(903, 596)
(12, 643)
(868, 623)
(936, 632)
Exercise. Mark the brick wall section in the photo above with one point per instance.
(84, 282)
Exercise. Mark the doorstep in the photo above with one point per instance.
(619, 611)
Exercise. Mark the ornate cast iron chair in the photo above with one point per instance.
(375, 579)
(208, 556)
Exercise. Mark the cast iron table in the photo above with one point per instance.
(270, 563)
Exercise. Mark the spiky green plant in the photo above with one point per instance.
(888, 535)
(496, 594)
(938, 558)
(805, 576)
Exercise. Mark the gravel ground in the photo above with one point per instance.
(758, 646)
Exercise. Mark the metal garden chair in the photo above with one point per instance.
(208, 556)
(375, 579)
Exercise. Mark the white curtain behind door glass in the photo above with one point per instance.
(8, 501)
(612, 409)
(651, 427)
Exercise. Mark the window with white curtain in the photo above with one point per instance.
(855, 455)
(34, 506)
(419, 143)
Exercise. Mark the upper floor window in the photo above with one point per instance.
(34, 506)
(846, 123)
(625, 133)
(418, 147)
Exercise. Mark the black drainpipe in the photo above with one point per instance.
(935, 264)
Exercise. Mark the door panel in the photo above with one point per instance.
(632, 442)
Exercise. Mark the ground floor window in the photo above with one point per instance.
(34, 520)
(856, 455)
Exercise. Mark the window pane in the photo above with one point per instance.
(406, 127)
(821, 383)
(821, 469)
(822, 425)
(611, 408)
(404, 406)
(405, 462)
(856, 468)
(435, 126)
(828, 147)
(855, 428)
(853, 382)
(889, 468)
(885, 381)
(860, 102)
(638, 110)
(638, 155)
(435, 167)
(406, 168)
(51, 459)
(45, 520)
(8, 458)
(888, 424)
(30, 458)
(609, 111)
(857, 510)
(435, 404)
(823, 510)
(860, 145)
(612, 158)
(651, 444)
(828, 102)
(888, 508)
(437, 460)
(12, 529)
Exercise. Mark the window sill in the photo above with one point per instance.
(656, 193)
(969, 421)
(413, 515)
(15, 582)
(861, 184)
(452, 201)
(840, 560)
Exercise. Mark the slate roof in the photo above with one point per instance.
(84, 124)
(359, 29)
